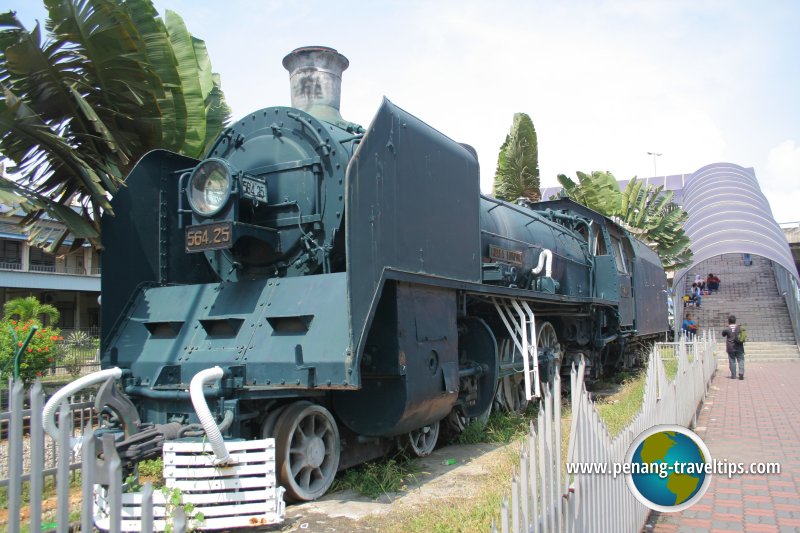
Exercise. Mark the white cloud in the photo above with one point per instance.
(605, 81)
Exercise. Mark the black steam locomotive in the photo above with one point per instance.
(349, 287)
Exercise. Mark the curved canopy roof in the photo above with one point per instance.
(728, 213)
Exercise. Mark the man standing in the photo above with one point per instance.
(734, 348)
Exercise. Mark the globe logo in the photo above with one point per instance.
(668, 468)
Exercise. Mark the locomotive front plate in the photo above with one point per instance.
(254, 189)
(214, 236)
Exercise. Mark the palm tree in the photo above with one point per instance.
(27, 308)
(517, 173)
(646, 211)
(108, 83)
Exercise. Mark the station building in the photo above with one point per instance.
(69, 280)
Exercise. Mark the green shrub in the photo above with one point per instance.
(41, 354)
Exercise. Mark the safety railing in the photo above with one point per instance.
(788, 288)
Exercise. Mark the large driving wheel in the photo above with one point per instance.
(510, 395)
(307, 450)
(422, 441)
(549, 352)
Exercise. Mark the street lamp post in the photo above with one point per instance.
(654, 162)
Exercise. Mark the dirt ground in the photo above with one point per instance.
(434, 482)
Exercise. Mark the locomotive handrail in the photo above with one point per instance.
(526, 343)
(326, 150)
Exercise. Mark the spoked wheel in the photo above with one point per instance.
(307, 450)
(422, 441)
(510, 395)
(456, 420)
(550, 351)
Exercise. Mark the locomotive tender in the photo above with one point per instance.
(350, 287)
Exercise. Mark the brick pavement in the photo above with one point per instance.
(755, 420)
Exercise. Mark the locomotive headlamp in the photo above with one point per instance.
(209, 187)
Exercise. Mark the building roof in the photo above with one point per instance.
(728, 213)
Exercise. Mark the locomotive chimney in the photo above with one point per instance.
(315, 77)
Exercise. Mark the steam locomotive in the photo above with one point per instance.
(342, 289)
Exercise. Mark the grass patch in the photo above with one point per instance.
(461, 515)
(670, 367)
(619, 409)
(48, 492)
(376, 478)
(501, 428)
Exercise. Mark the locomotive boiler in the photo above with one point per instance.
(349, 288)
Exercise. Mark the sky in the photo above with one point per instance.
(604, 81)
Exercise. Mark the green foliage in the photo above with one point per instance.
(153, 468)
(518, 162)
(646, 211)
(501, 427)
(375, 478)
(598, 191)
(24, 309)
(108, 82)
(174, 499)
(42, 352)
(73, 363)
(79, 347)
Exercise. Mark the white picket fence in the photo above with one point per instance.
(241, 495)
(544, 499)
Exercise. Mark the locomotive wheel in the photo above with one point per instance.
(456, 420)
(510, 394)
(547, 343)
(307, 450)
(268, 425)
(422, 441)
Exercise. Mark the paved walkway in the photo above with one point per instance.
(755, 420)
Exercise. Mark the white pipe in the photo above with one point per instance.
(546, 257)
(50, 408)
(204, 414)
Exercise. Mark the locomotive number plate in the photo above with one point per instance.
(506, 256)
(254, 189)
(214, 236)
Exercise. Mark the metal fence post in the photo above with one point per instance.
(15, 457)
(88, 460)
(114, 483)
(62, 475)
(147, 507)
(37, 456)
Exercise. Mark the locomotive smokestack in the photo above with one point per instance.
(315, 76)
